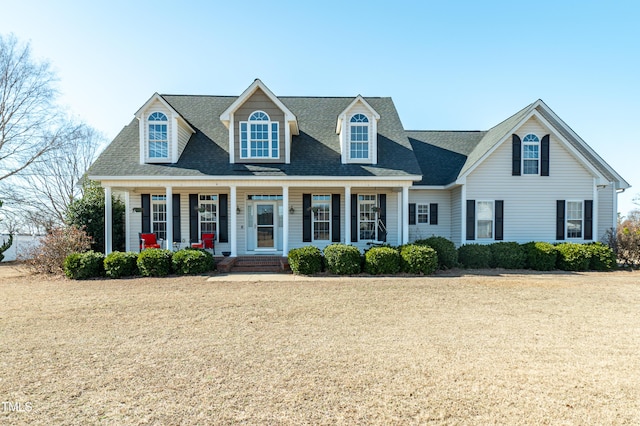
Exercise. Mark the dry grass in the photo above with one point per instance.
(473, 349)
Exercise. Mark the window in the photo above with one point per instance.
(530, 154)
(359, 137)
(208, 214)
(259, 137)
(574, 219)
(368, 216)
(159, 216)
(423, 213)
(484, 219)
(321, 217)
(158, 140)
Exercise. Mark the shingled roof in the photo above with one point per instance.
(314, 152)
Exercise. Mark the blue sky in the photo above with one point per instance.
(458, 65)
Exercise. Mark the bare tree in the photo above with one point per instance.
(29, 121)
(50, 185)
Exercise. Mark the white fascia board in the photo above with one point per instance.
(289, 117)
(375, 180)
(159, 98)
(343, 114)
(541, 104)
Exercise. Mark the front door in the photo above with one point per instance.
(265, 226)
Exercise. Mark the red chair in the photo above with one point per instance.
(148, 241)
(207, 242)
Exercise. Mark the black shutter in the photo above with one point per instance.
(433, 214)
(471, 219)
(177, 236)
(354, 218)
(146, 213)
(516, 155)
(412, 213)
(544, 156)
(223, 218)
(499, 206)
(382, 217)
(306, 218)
(588, 219)
(560, 220)
(193, 218)
(335, 218)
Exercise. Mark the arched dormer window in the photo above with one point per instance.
(359, 137)
(259, 137)
(158, 138)
(530, 154)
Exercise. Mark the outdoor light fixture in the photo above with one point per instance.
(237, 210)
(137, 209)
(291, 210)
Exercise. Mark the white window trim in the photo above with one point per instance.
(214, 202)
(566, 219)
(148, 158)
(313, 221)
(538, 144)
(418, 205)
(269, 124)
(370, 145)
(376, 216)
(493, 220)
(166, 214)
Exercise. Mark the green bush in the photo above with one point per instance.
(382, 260)
(119, 264)
(446, 250)
(573, 257)
(305, 260)
(602, 257)
(154, 262)
(540, 256)
(507, 255)
(418, 259)
(474, 256)
(342, 259)
(82, 266)
(192, 261)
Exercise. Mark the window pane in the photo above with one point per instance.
(423, 213)
(574, 219)
(484, 215)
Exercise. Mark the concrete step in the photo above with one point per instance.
(253, 264)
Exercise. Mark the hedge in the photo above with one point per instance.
(192, 261)
(305, 260)
(382, 260)
(540, 256)
(418, 259)
(507, 255)
(154, 262)
(474, 256)
(573, 257)
(445, 249)
(121, 264)
(342, 259)
(82, 266)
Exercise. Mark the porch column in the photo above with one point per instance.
(108, 221)
(347, 215)
(405, 214)
(233, 235)
(127, 221)
(285, 220)
(169, 216)
(398, 192)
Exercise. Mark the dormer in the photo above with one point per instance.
(358, 132)
(163, 132)
(260, 127)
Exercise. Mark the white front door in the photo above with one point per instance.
(265, 225)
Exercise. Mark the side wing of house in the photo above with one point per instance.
(538, 182)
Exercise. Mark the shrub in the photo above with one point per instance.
(192, 261)
(382, 260)
(154, 262)
(418, 259)
(474, 256)
(507, 255)
(82, 266)
(625, 241)
(573, 257)
(305, 260)
(540, 256)
(602, 257)
(121, 264)
(342, 259)
(446, 250)
(48, 257)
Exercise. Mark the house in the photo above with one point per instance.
(267, 173)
